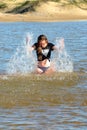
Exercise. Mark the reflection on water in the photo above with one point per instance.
(44, 102)
(45, 118)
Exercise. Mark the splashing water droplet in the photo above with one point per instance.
(62, 61)
(23, 61)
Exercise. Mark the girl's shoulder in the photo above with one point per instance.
(35, 44)
(50, 44)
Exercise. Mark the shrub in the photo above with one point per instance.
(25, 7)
(3, 5)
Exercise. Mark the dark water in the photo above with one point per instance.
(46, 102)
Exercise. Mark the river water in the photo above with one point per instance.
(43, 102)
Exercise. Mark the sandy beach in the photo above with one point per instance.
(49, 11)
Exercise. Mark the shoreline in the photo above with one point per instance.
(35, 18)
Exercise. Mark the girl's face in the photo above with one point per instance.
(43, 43)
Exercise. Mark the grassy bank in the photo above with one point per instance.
(22, 6)
(43, 10)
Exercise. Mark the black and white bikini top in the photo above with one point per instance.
(43, 53)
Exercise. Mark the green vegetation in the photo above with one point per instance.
(25, 7)
(80, 3)
(30, 5)
(56, 0)
(3, 5)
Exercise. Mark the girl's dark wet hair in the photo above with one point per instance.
(42, 37)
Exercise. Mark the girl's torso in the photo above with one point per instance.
(43, 54)
(44, 63)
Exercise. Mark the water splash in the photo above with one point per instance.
(24, 60)
(61, 59)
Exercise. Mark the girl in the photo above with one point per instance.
(43, 51)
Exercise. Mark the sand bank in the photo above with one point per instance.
(49, 11)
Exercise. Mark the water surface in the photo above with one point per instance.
(47, 102)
